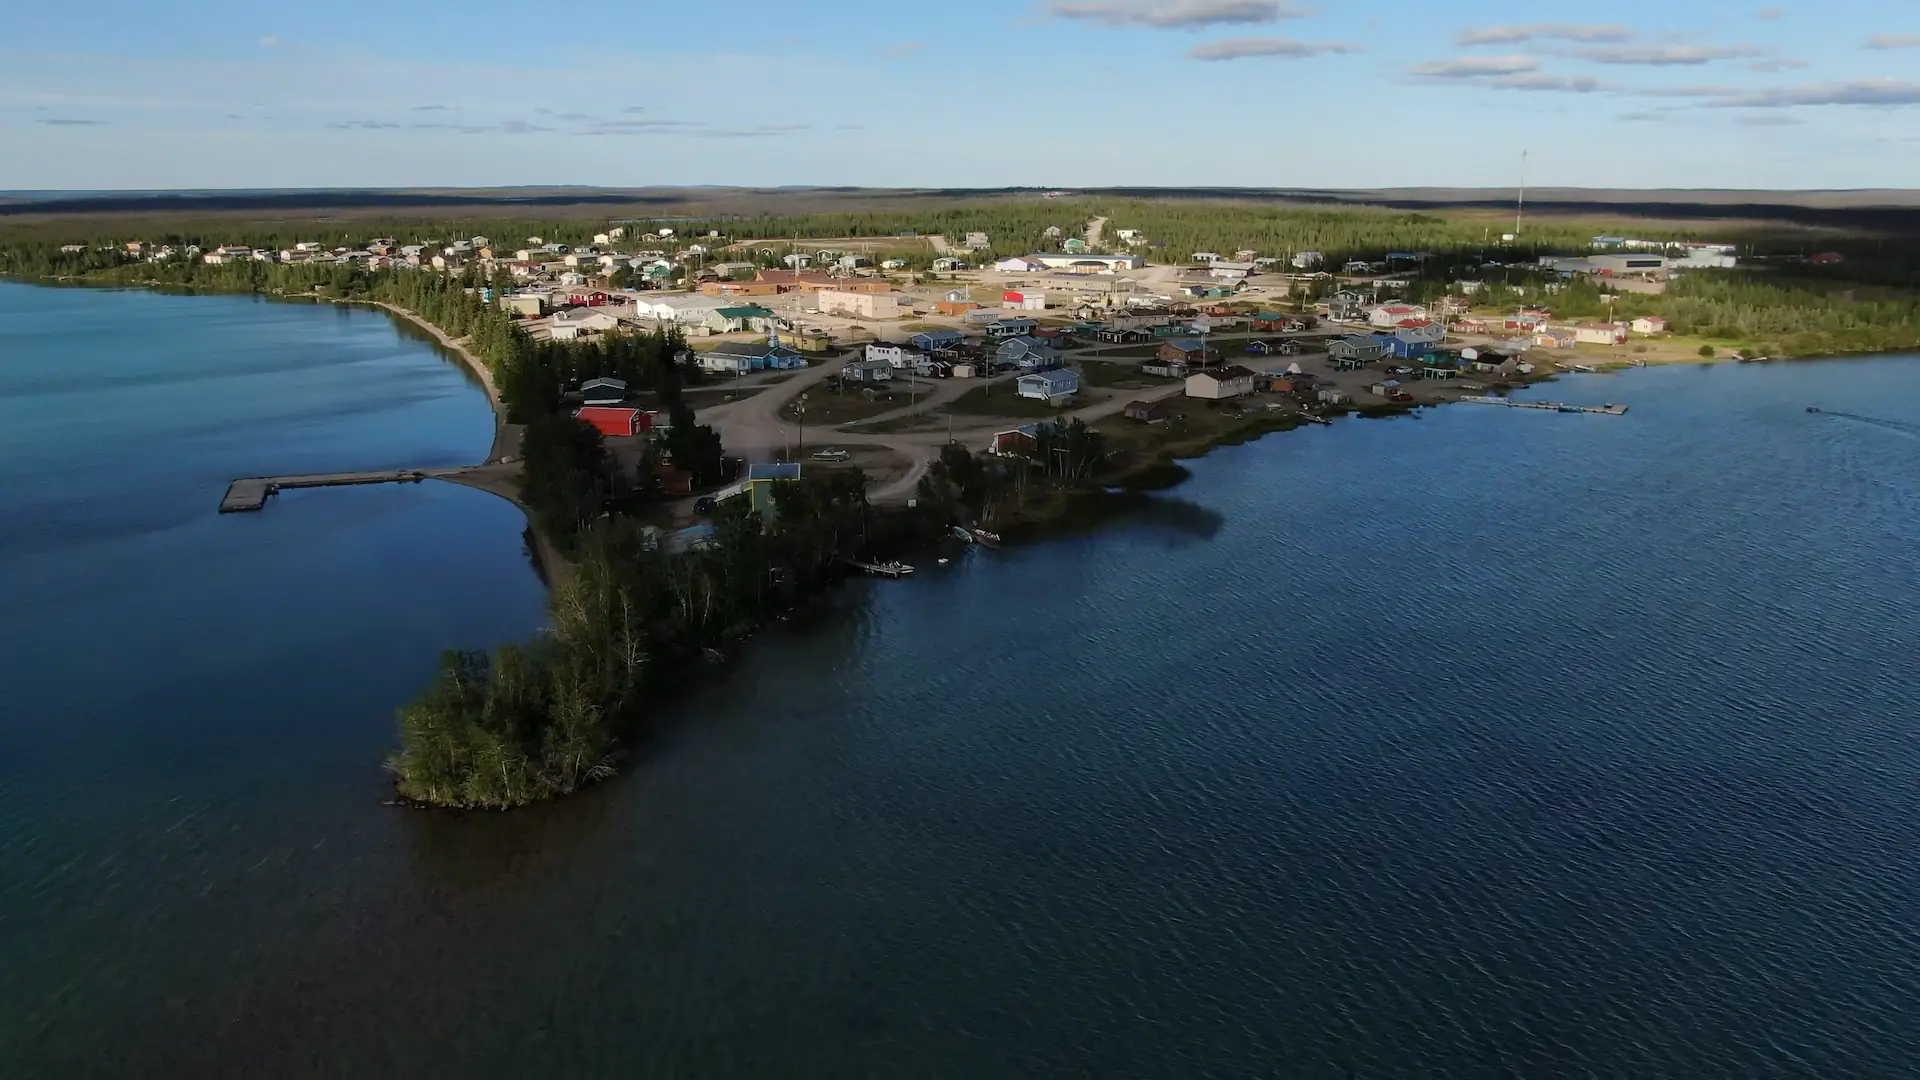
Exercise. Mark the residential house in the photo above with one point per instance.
(901, 357)
(1557, 337)
(1227, 382)
(1053, 386)
(1388, 316)
(1386, 388)
(1600, 333)
(1022, 441)
(1649, 324)
(1329, 396)
(1074, 246)
(686, 310)
(939, 341)
(977, 241)
(867, 371)
(740, 358)
(1148, 412)
(948, 265)
(747, 317)
(1028, 354)
(1348, 353)
(1190, 352)
(603, 391)
(757, 487)
(954, 307)
(1113, 336)
(1011, 328)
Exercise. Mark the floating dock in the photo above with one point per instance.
(1550, 406)
(253, 492)
(887, 569)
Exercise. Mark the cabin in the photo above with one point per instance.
(939, 341)
(1189, 352)
(1148, 412)
(867, 371)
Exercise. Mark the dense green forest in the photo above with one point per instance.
(632, 625)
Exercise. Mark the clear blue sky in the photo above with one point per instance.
(1346, 93)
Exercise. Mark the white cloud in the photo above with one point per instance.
(1475, 67)
(1514, 35)
(901, 51)
(1667, 55)
(1894, 41)
(1177, 14)
(1770, 14)
(1775, 64)
(1770, 120)
(1540, 80)
(1887, 92)
(1288, 48)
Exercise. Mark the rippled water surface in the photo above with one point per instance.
(1492, 743)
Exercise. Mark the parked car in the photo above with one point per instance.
(703, 505)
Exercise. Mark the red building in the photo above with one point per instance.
(616, 422)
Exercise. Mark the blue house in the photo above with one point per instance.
(1050, 386)
(1011, 328)
(1027, 354)
(1401, 349)
(935, 341)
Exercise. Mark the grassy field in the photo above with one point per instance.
(827, 408)
(1118, 376)
(1000, 400)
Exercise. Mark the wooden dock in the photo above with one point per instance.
(1550, 406)
(252, 493)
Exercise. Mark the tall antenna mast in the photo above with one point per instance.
(1520, 207)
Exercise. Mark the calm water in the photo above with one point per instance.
(1494, 743)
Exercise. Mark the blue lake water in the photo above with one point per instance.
(1492, 743)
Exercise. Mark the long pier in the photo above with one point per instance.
(1550, 406)
(252, 493)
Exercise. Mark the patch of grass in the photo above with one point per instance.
(1001, 400)
(1119, 376)
(1136, 352)
(827, 409)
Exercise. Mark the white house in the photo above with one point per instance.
(1227, 382)
(1307, 260)
(1388, 316)
(1051, 387)
(1649, 324)
(899, 357)
(1600, 333)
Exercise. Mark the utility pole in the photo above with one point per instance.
(1520, 206)
(800, 414)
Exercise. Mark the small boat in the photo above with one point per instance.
(831, 455)
(960, 533)
(944, 562)
(987, 538)
(1813, 408)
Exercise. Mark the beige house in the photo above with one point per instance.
(858, 305)
(1227, 382)
(1600, 333)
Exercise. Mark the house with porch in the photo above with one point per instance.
(867, 371)
(1348, 353)
(1053, 387)
(757, 487)
(1011, 328)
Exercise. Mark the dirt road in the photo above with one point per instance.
(1094, 229)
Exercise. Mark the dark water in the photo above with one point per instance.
(1495, 743)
